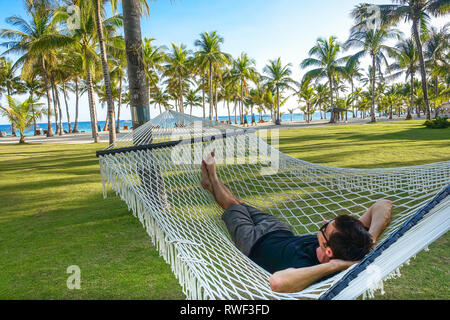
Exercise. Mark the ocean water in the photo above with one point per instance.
(82, 126)
(86, 125)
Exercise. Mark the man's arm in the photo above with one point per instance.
(294, 280)
(377, 218)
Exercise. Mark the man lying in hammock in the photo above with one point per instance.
(295, 261)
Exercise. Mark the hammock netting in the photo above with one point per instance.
(156, 170)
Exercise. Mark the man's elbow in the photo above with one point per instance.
(276, 283)
(387, 205)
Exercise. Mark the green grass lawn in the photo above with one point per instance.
(53, 216)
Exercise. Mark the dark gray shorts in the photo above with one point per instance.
(247, 225)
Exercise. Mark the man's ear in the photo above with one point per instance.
(329, 252)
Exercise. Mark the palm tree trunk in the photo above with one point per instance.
(58, 102)
(139, 100)
(13, 129)
(181, 94)
(278, 106)
(411, 100)
(92, 110)
(229, 114)
(210, 91)
(34, 117)
(436, 93)
(422, 69)
(75, 127)
(67, 108)
(215, 103)
(52, 84)
(119, 105)
(106, 76)
(49, 100)
(22, 137)
(106, 122)
(203, 97)
(372, 108)
(332, 120)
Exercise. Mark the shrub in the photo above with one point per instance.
(437, 123)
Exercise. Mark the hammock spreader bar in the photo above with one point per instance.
(173, 143)
(411, 222)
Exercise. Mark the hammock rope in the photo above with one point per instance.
(156, 171)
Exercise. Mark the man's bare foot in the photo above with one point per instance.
(210, 163)
(205, 182)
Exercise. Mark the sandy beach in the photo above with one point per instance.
(85, 137)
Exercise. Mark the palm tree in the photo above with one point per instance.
(306, 93)
(139, 98)
(418, 13)
(352, 72)
(106, 75)
(407, 62)
(118, 72)
(153, 59)
(436, 55)
(243, 70)
(21, 114)
(230, 89)
(177, 70)
(160, 98)
(34, 42)
(278, 77)
(322, 98)
(85, 51)
(9, 80)
(35, 90)
(210, 58)
(291, 112)
(324, 56)
(192, 100)
(373, 43)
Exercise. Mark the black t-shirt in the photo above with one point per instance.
(280, 250)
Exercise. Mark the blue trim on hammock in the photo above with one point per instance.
(344, 282)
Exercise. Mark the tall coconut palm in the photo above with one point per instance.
(324, 56)
(407, 62)
(322, 99)
(160, 98)
(210, 58)
(242, 72)
(85, 51)
(177, 70)
(137, 84)
(278, 75)
(35, 90)
(418, 12)
(352, 72)
(372, 42)
(436, 52)
(22, 114)
(192, 100)
(154, 58)
(306, 93)
(9, 80)
(118, 72)
(99, 12)
(34, 41)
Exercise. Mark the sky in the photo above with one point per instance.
(264, 29)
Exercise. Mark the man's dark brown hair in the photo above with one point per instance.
(351, 241)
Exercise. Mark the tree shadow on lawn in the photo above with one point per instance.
(417, 134)
(112, 249)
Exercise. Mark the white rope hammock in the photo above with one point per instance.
(156, 171)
